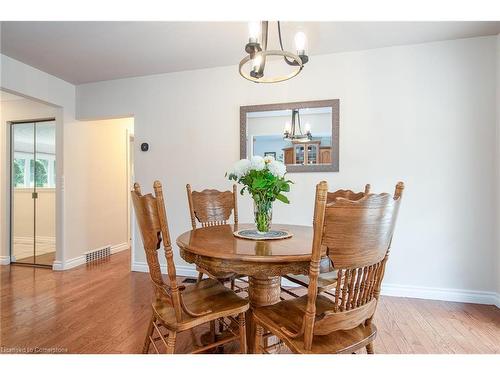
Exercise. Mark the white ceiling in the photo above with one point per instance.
(81, 52)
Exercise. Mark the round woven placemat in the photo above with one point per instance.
(253, 234)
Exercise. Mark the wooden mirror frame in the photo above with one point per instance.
(333, 103)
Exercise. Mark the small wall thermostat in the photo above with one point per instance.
(144, 146)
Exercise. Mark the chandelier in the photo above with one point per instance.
(291, 133)
(258, 52)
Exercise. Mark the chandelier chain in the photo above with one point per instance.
(281, 44)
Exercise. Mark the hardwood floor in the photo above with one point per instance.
(104, 308)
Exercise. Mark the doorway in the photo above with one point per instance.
(33, 192)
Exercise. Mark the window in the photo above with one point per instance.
(23, 173)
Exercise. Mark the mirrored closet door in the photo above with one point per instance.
(33, 193)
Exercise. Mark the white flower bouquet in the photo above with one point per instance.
(264, 179)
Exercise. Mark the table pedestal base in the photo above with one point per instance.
(262, 291)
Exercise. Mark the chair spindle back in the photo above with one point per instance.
(356, 235)
(212, 207)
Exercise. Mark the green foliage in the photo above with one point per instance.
(40, 171)
(263, 185)
(18, 173)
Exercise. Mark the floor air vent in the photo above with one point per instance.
(92, 256)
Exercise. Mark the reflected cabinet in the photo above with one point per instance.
(307, 153)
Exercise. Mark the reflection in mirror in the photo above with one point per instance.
(299, 135)
(295, 137)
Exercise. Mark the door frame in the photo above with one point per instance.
(129, 141)
(10, 125)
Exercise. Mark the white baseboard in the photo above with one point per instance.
(78, 261)
(68, 264)
(497, 300)
(39, 239)
(442, 294)
(4, 260)
(120, 247)
(454, 295)
(187, 271)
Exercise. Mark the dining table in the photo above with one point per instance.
(217, 250)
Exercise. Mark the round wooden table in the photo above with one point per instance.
(218, 251)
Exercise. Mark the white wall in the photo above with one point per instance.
(82, 185)
(97, 177)
(320, 124)
(424, 114)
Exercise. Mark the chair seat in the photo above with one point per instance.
(339, 342)
(289, 314)
(208, 294)
(326, 280)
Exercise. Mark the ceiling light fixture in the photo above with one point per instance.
(258, 52)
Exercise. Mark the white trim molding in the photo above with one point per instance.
(120, 247)
(4, 260)
(186, 271)
(78, 261)
(394, 290)
(442, 294)
(39, 239)
(70, 263)
(496, 299)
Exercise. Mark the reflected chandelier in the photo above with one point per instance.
(291, 133)
(257, 53)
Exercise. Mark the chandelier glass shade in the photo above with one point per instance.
(257, 51)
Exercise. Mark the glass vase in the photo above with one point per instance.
(263, 214)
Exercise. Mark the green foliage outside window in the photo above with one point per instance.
(40, 173)
(18, 173)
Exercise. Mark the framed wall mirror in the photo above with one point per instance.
(303, 135)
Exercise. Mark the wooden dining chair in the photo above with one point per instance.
(210, 208)
(327, 278)
(177, 307)
(356, 236)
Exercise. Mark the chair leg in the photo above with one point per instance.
(232, 284)
(369, 348)
(171, 342)
(200, 276)
(147, 342)
(259, 332)
(243, 334)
